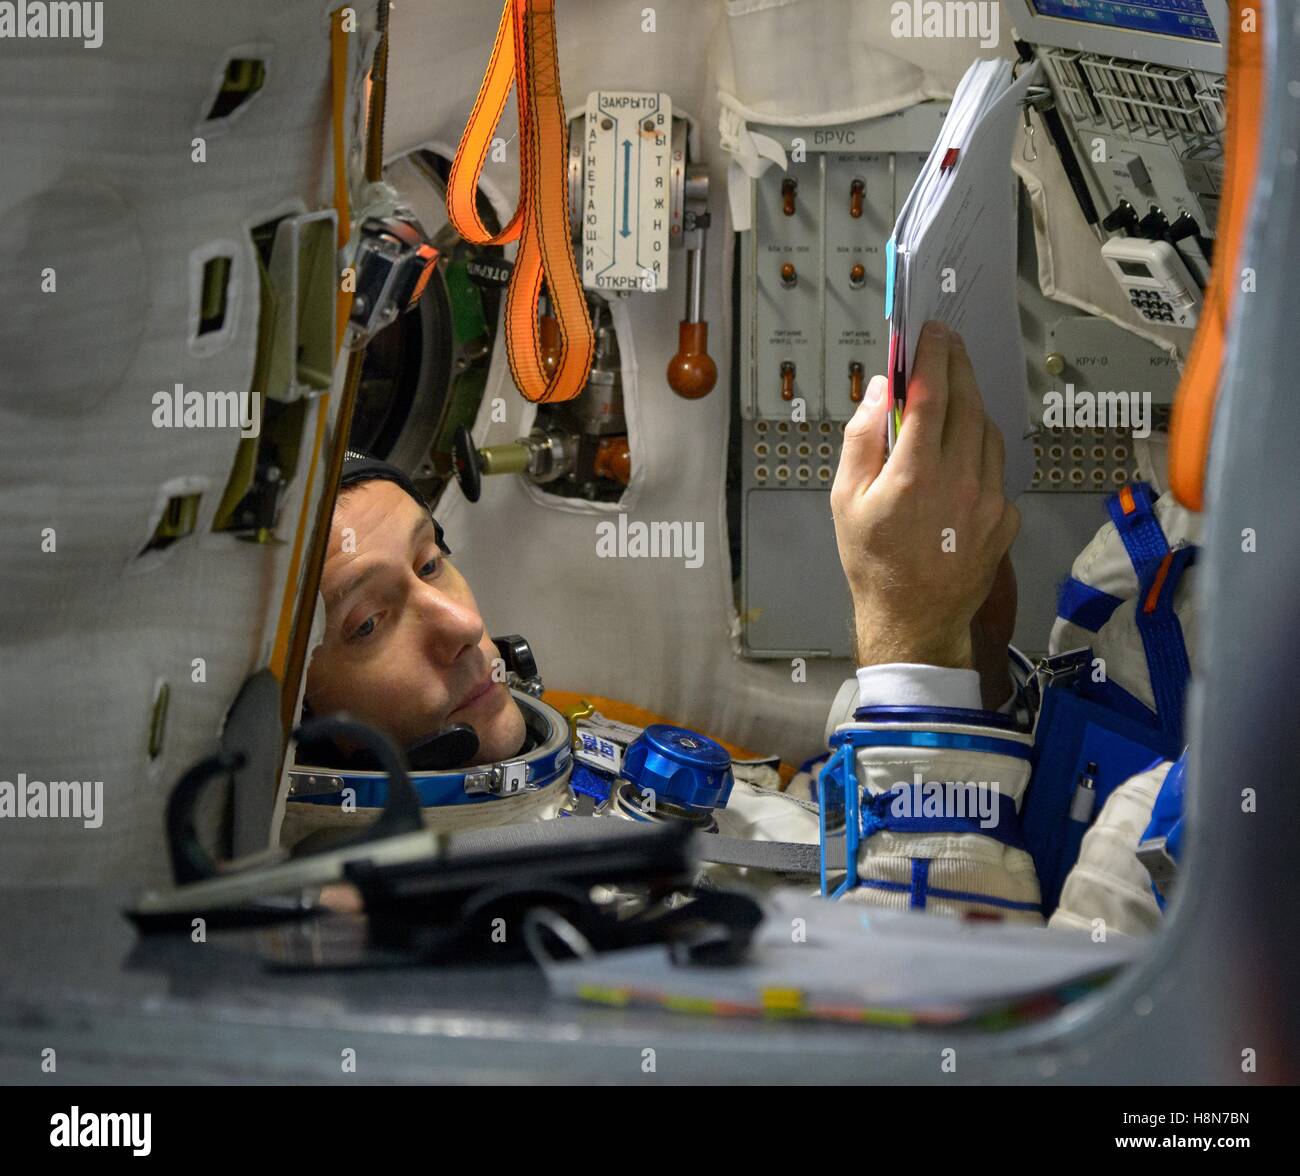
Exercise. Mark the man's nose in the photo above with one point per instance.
(448, 626)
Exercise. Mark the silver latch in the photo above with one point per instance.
(1154, 856)
(503, 779)
(1057, 670)
(313, 783)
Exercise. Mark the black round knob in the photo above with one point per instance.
(465, 461)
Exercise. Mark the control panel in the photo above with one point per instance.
(812, 333)
(1138, 92)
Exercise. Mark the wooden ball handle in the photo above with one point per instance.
(691, 373)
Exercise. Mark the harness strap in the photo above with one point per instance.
(1162, 638)
(1133, 512)
(1083, 605)
(781, 857)
(524, 54)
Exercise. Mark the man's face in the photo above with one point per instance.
(405, 649)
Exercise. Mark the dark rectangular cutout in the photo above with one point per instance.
(212, 299)
(244, 77)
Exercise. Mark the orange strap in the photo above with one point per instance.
(525, 54)
(1193, 417)
(343, 308)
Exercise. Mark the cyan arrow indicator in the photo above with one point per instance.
(627, 178)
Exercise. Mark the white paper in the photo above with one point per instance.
(956, 252)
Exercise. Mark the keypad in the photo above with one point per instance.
(1152, 305)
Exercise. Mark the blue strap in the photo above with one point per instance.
(1083, 605)
(954, 895)
(1143, 537)
(881, 813)
(936, 739)
(1167, 812)
(920, 882)
(1162, 640)
(586, 781)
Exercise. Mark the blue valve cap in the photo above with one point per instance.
(679, 767)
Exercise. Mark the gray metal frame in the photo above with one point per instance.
(1219, 982)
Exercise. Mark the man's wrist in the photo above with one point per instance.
(877, 645)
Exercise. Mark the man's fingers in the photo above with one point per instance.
(1007, 529)
(863, 453)
(963, 425)
(992, 459)
(921, 435)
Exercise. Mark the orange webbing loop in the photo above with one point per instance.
(1193, 417)
(525, 52)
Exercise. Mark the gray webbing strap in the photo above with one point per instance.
(779, 857)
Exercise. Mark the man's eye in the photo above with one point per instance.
(364, 629)
(431, 568)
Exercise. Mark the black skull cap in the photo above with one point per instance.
(361, 467)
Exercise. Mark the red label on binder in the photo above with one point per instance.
(950, 158)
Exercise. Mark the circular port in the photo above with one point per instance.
(1120, 453)
(1038, 477)
(1119, 477)
(1056, 452)
(1056, 477)
(1098, 453)
(1099, 477)
(783, 450)
(782, 426)
(760, 473)
(824, 474)
(805, 450)
(1076, 453)
(804, 473)
(760, 450)
(1038, 453)
(824, 427)
(824, 450)
(805, 427)
(1076, 477)
(760, 426)
(782, 473)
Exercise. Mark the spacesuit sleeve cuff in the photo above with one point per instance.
(904, 684)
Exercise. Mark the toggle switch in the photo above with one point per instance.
(855, 382)
(857, 276)
(1122, 216)
(1155, 225)
(787, 380)
(788, 275)
(788, 188)
(857, 190)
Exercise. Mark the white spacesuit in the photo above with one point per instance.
(939, 767)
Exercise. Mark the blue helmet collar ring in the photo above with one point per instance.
(546, 759)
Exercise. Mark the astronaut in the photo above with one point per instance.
(938, 765)
(405, 650)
